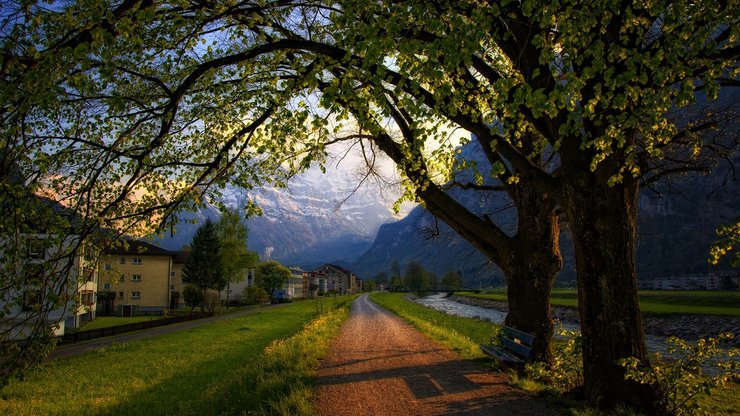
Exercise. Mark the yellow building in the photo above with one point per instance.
(139, 277)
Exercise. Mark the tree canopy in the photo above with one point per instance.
(271, 276)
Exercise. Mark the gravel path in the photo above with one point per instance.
(380, 365)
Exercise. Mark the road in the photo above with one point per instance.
(380, 365)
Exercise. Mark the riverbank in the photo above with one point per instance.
(687, 327)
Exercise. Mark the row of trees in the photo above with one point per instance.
(132, 111)
(417, 279)
(219, 257)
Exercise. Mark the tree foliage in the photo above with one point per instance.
(416, 278)
(232, 237)
(452, 280)
(270, 276)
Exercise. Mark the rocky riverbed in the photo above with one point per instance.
(687, 327)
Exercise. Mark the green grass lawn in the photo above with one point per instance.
(651, 301)
(232, 366)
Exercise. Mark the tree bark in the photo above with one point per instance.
(531, 269)
(602, 219)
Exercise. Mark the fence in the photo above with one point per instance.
(75, 337)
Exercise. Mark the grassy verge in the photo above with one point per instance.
(462, 335)
(233, 366)
(651, 302)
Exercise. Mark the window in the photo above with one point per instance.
(87, 298)
(108, 266)
(36, 249)
(172, 287)
(173, 274)
(31, 299)
(135, 295)
(123, 260)
(120, 294)
(136, 260)
(136, 278)
(122, 279)
(106, 286)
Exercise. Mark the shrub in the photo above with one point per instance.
(193, 296)
(681, 377)
(566, 372)
(253, 295)
(212, 300)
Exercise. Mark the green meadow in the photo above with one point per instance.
(261, 363)
(704, 302)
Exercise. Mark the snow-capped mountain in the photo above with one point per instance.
(318, 218)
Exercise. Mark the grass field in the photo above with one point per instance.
(651, 301)
(233, 366)
(464, 335)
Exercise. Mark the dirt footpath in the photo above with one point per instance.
(380, 365)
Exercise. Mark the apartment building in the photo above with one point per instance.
(138, 276)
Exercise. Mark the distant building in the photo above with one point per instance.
(293, 287)
(336, 279)
(690, 282)
(235, 290)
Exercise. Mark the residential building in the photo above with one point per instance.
(338, 279)
(57, 279)
(293, 287)
(234, 290)
(138, 276)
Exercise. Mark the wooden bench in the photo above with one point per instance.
(515, 349)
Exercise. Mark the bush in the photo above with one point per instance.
(193, 296)
(212, 300)
(253, 295)
(566, 372)
(681, 378)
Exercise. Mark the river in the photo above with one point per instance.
(440, 302)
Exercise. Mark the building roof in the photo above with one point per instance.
(335, 267)
(138, 247)
(180, 256)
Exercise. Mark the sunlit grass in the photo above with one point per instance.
(219, 368)
(462, 335)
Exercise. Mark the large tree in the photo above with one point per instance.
(570, 101)
(203, 268)
(271, 276)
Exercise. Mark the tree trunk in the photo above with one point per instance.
(531, 269)
(602, 219)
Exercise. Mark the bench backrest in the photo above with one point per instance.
(514, 334)
(517, 342)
